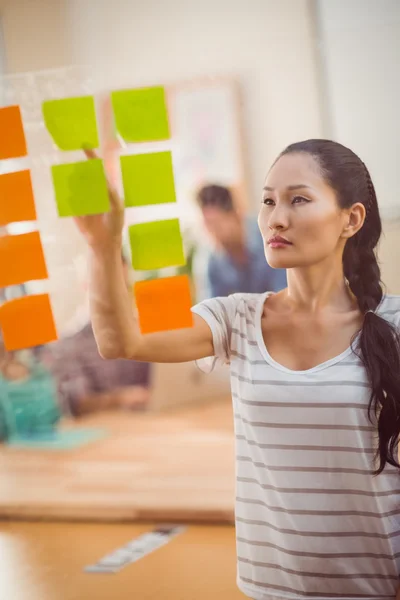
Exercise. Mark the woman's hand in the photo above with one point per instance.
(103, 230)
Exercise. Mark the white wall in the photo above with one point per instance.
(361, 48)
(267, 45)
(35, 34)
(360, 44)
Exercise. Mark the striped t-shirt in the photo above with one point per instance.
(311, 520)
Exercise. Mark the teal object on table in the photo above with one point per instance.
(30, 413)
(29, 407)
(67, 439)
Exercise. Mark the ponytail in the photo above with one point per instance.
(379, 350)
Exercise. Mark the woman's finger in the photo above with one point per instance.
(115, 200)
(89, 153)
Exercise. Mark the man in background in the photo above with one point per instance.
(87, 383)
(238, 263)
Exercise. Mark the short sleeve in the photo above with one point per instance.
(219, 314)
(389, 309)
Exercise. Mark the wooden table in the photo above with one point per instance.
(45, 561)
(175, 466)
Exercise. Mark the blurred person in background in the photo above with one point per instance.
(87, 383)
(238, 262)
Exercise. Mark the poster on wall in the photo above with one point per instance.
(206, 125)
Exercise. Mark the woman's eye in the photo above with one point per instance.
(295, 200)
(298, 199)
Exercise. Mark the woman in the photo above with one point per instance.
(315, 374)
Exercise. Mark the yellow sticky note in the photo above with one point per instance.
(141, 114)
(156, 245)
(72, 122)
(81, 188)
(148, 179)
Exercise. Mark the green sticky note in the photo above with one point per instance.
(141, 114)
(72, 122)
(148, 179)
(156, 245)
(81, 188)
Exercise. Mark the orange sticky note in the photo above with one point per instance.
(12, 136)
(164, 304)
(27, 322)
(21, 259)
(16, 198)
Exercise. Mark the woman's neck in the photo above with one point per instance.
(312, 289)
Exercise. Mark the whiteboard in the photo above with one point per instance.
(206, 135)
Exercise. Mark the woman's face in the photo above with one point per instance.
(299, 206)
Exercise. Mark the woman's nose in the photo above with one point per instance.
(278, 218)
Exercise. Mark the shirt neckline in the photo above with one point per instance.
(264, 350)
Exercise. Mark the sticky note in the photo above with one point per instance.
(27, 322)
(72, 122)
(156, 245)
(81, 188)
(164, 304)
(12, 136)
(141, 114)
(148, 179)
(21, 259)
(16, 198)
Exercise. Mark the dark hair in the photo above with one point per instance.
(378, 344)
(217, 196)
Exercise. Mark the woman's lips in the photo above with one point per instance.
(278, 242)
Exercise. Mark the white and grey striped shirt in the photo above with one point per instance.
(311, 520)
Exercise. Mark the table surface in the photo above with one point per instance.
(175, 466)
(46, 561)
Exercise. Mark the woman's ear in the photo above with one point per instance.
(354, 220)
